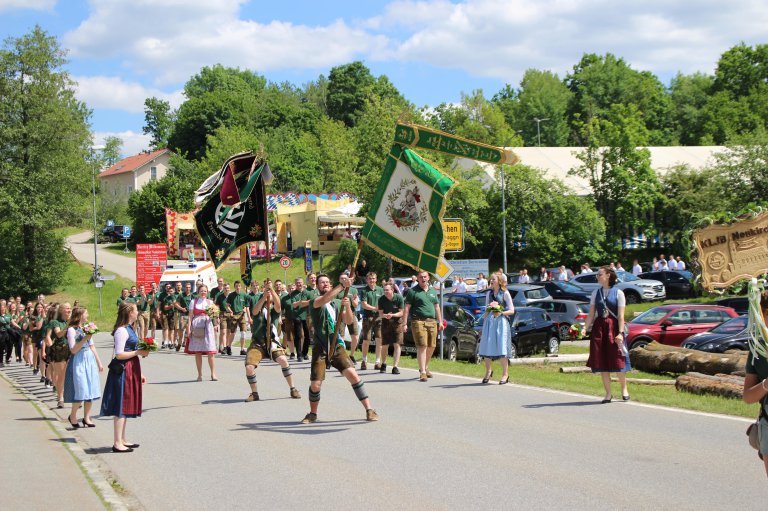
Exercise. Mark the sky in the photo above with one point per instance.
(124, 51)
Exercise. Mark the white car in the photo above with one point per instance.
(635, 289)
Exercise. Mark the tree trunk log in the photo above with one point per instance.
(647, 381)
(658, 358)
(577, 369)
(720, 385)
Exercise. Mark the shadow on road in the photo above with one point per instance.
(296, 428)
(570, 403)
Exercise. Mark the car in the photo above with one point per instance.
(740, 303)
(635, 289)
(672, 324)
(533, 331)
(460, 339)
(116, 233)
(676, 284)
(526, 294)
(473, 303)
(565, 313)
(562, 290)
(731, 335)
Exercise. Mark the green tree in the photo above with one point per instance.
(689, 95)
(600, 82)
(158, 122)
(146, 207)
(336, 145)
(44, 143)
(349, 86)
(110, 154)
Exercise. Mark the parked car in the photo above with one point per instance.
(561, 290)
(473, 303)
(731, 335)
(676, 284)
(533, 331)
(635, 289)
(115, 233)
(460, 339)
(672, 324)
(526, 294)
(740, 303)
(565, 313)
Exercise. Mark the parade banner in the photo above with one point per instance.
(422, 137)
(223, 229)
(405, 218)
(151, 259)
(246, 270)
(730, 252)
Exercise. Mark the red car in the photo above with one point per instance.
(672, 324)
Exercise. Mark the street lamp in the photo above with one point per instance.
(96, 280)
(538, 128)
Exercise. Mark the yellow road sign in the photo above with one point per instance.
(453, 234)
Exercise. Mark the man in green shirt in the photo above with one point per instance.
(299, 300)
(167, 309)
(221, 302)
(152, 302)
(123, 296)
(183, 301)
(423, 307)
(390, 310)
(265, 341)
(142, 320)
(239, 317)
(371, 321)
(326, 310)
(287, 321)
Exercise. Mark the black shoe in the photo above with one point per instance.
(293, 355)
(115, 449)
(229, 350)
(242, 352)
(92, 425)
(607, 400)
(75, 424)
(488, 377)
(363, 366)
(395, 370)
(625, 398)
(383, 368)
(353, 360)
(132, 446)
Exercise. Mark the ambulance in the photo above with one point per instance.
(189, 271)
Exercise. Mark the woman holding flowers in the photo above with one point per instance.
(58, 351)
(123, 390)
(81, 382)
(36, 322)
(200, 332)
(496, 336)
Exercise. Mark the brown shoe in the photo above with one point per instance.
(295, 393)
(371, 415)
(309, 418)
(253, 396)
(423, 377)
(429, 375)
(363, 366)
(376, 367)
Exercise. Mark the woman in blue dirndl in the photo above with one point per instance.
(607, 353)
(81, 380)
(123, 391)
(496, 337)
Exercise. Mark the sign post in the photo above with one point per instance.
(444, 269)
(285, 263)
(453, 234)
(308, 257)
(126, 235)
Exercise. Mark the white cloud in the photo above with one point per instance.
(35, 5)
(167, 41)
(115, 93)
(133, 143)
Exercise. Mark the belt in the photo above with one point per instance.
(415, 318)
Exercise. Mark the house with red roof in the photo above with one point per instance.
(133, 173)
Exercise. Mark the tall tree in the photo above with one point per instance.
(44, 143)
(689, 95)
(158, 122)
(110, 154)
(349, 86)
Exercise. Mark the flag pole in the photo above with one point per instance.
(331, 346)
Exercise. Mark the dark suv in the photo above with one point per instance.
(460, 339)
(115, 233)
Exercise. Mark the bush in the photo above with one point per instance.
(28, 274)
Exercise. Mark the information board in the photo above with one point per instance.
(469, 268)
(453, 235)
(151, 259)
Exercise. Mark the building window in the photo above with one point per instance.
(130, 189)
(153, 173)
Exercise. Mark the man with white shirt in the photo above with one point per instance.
(680, 264)
(482, 283)
(524, 278)
(672, 264)
(636, 268)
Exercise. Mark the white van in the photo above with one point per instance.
(184, 271)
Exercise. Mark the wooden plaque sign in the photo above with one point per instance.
(731, 252)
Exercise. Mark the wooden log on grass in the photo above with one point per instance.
(720, 385)
(646, 381)
(659, 358)
(575, 369)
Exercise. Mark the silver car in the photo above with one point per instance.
(636, 290)
(565, 313)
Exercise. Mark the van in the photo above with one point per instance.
(184, 271)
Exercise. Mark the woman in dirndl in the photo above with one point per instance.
(58, 351)
(607, 353)
(496, 337)
(81, 381)
(200, 334)
(123, 390)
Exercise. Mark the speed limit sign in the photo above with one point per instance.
(285, 262)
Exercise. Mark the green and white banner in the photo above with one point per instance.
(421, 137)
(405, 218)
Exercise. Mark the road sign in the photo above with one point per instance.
(285, 262)
(99, 283)
(469, 268)
(308, 257)
(127, 231)
(453, 234)
(444, 269)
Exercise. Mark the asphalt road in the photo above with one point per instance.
(112, 262)
(449, 443)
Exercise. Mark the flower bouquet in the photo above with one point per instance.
(213, 311)
(577, 331)
(491, 309)
(90, 329)
(147, 344)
